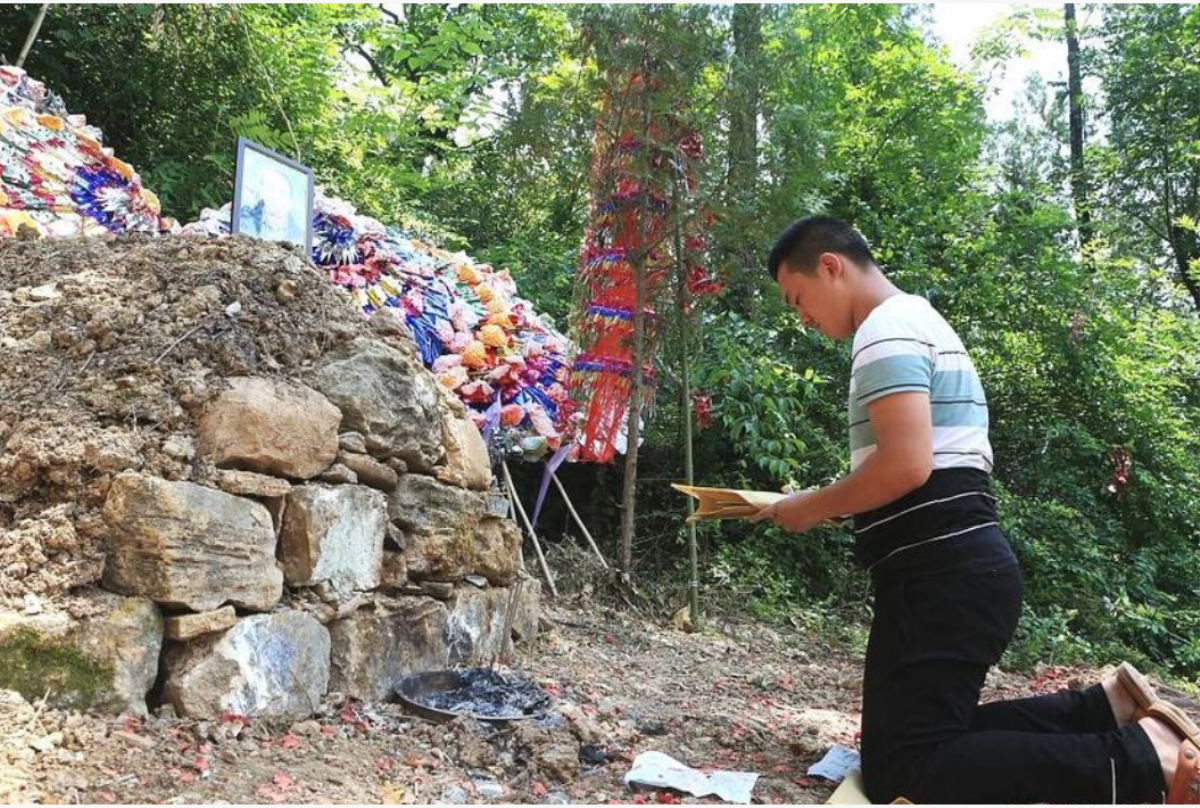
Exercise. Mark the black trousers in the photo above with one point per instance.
(926, 737)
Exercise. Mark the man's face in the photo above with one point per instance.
(819, 298)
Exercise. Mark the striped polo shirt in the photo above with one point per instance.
(904, 345)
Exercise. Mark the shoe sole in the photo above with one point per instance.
(1177, 719)
(1137, 686)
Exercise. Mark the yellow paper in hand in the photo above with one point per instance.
(727, 503)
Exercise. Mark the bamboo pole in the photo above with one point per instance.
(578, 521)
(686, 405)
(537, 545)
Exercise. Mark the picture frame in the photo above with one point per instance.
(272, 196)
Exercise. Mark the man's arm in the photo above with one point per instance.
(901, 462)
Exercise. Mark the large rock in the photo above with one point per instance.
(333, 535)
(270, 426)
(467, 461)
(188, 546)
(372, 648)
(497, 551)
(190, 626)
(439, 523)
(252, 484)
(352, 442)
(527, 616)
(388, 397)
(108, 661)
(475, 628)
(266, 665)
(128, 636)
(370, 471)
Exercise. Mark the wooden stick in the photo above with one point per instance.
(512, 514)
(506, 640)
(578, 521)
(537, 545)
(38, 712)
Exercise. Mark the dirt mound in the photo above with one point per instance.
(108, 349)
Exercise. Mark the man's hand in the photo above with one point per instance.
(796, 514)
(901, 462)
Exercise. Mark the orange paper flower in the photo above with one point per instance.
(51, 122)
(151, 200)
(468, 274)
(88, 144)
(121, 167)
(12, 220)
(475, 356)
(453, 377)
(17, 116)
(512, 414)
(494, 336)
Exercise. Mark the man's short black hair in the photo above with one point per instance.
(805, 239)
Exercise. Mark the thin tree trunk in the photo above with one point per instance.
(1187, 273)
(633, 424)
(1184, 244)
(1079, 183)
(682, 306)
(33, 32)
(743, 101)
(1184, 259)
(744, 92)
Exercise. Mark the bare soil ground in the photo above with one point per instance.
(735, 696)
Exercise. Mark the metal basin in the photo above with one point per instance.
(481, 693)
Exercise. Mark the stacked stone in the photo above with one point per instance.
(348, 541)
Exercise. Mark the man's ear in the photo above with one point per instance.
(830, 264)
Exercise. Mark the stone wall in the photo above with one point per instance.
(277, 536)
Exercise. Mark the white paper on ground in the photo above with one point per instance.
(663, 771)
(837, 764)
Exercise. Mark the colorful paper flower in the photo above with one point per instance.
(512, 415)
(494, 336)
(475, 355)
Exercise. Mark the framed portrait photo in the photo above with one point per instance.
(272, 196)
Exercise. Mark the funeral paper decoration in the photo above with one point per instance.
(56, 177)
(642, 176)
